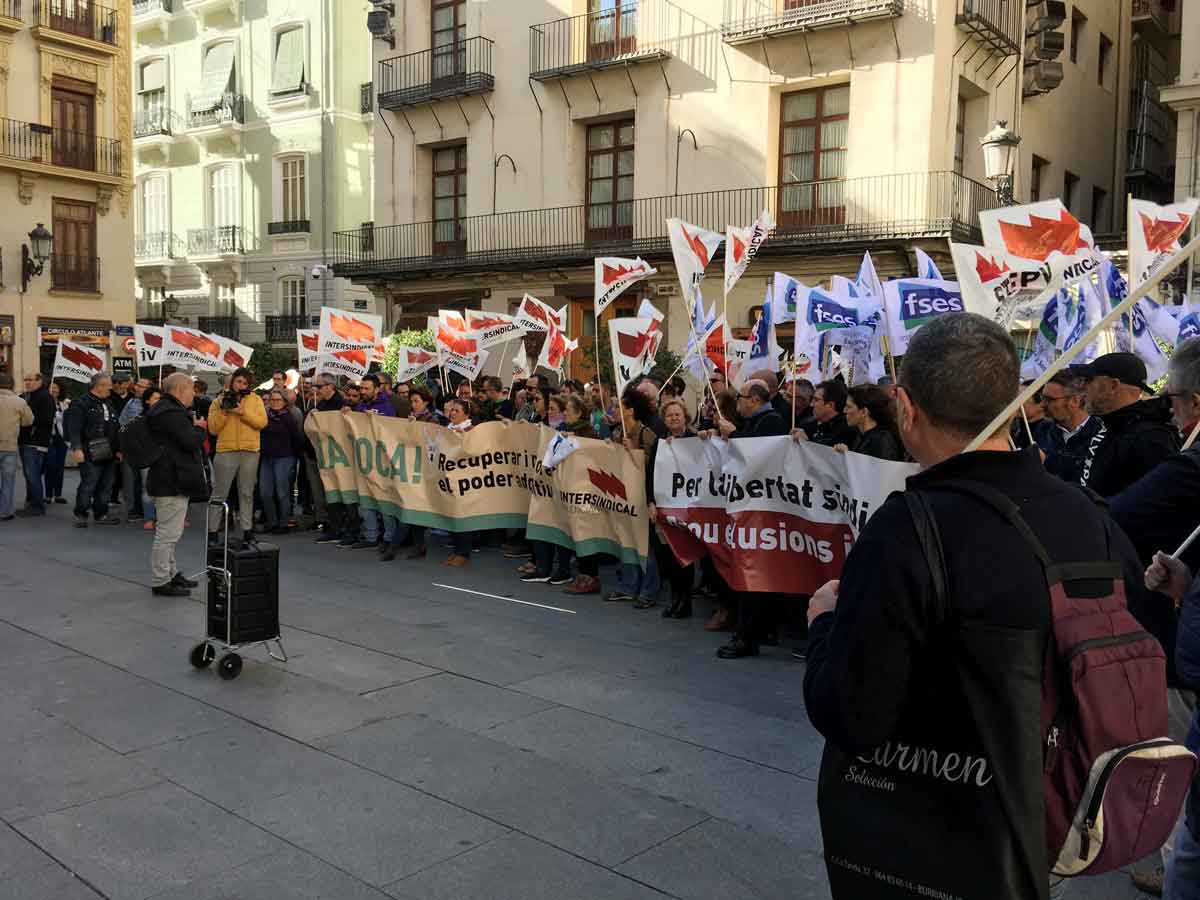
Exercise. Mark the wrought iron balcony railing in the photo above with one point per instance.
(156, 245)
(282, 329)
(633, 32)
(154, 121)
(10, 9)
(810, 215)
(449, 70)
(221, 240)
(32, 142)
(752, 20)
(1151, 135)
(366, 97)
(145, 7)
(997, 24)
(231, 108)
(1152, 13)
(291, 226)
(74, 273)
(81, 18)
(225, 326)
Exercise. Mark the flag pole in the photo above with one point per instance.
(1078, 347)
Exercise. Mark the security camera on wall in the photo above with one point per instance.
(318, 271)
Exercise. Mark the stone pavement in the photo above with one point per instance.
(429, 739)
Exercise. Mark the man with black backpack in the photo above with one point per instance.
(938, 673)
(176, 477)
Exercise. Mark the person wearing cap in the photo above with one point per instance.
(1137, 434)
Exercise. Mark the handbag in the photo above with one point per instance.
(98, 450)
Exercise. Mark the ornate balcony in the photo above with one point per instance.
(80, 24)
(451, 70)
(812, 216)
(154, 15)
(221, 240)
(10, 15)
(282, 329)
(622, 35)
(225, 326)
(292, 226)
(753, 20)
(217, 122)
(155, 247)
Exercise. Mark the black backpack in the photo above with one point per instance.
(138, 445)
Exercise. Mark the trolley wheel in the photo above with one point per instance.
(202, 655)
(230, 666)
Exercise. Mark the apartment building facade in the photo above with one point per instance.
(66, 170)
(1182, 97)
(252, 140)
(523, 141)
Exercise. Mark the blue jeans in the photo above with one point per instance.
(131, 484)
(638, 584)
(8, 482)
(1182, 880)
(95, 488)
(33, 461)
(56, 466)
(393, 531)
(551, 559)
(463, 541)
(275, 475)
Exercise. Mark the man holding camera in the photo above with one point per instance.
(236, 417)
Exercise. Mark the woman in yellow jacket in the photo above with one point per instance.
(236, 417)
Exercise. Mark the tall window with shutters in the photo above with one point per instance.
(153, 222)
(224, 300)
(449, 200)
(293, 297)
(152, 96)
(293, 190)
(74, 266)
(73, 117)
(814, 128)
(610, 181)
(224, 212)
(288, 72)
(218, 83)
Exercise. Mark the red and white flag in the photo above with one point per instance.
(1008, 289)
(534, 315)
(520, 362)
(648, 310)
(555, 349)
(347, 341)
(1044, 233)
(693, 248)
(308, 342)
(148, 341)
(468, 365)
(632, 343)
(491, 327)
(233, 355)
(78, 362)
(614, 275)
(453, 336)
(191, 349)
(414, 361)
(741, 245)
(1155, 234)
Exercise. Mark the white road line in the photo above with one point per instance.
(451, 587)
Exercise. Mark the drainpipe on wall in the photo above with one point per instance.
(325, 88)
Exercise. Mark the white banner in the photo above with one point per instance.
(1155, 234)
(149, 342)
(308, 342)
(348, 342)
(692, 248)
(492, 328)
(414, 361)
(631, 342)
(191, 349)
(77, 362)
(467, 365)
(742, 244)
(233, 355)
(534, 315)
(613, 275)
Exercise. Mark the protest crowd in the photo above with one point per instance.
(1004, 664)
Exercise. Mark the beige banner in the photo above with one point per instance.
(489, 477)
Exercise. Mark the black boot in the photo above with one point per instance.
(681, 604)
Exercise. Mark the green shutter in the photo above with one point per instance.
(289, 61)
(216, 79)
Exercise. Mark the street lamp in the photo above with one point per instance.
(999, 160)
(32, 263)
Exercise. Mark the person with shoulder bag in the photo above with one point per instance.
(175, 477)
(236, 417)
(91, 424)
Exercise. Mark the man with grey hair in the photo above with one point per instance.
(15, 415)
(947, 663)
(175, 479)
(1064, 403)
(332, 518)
(91, 431)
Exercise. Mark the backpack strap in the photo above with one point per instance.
(930, 539)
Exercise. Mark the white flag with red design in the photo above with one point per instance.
(1155, 234)
(191, 349)
(614, 275)
(148, 341)
(347, 341)
(555, 350)
(534, 315)
(632, 340)
(741, 245)
(648, 310)
(233, 355)
(452, 334)
(414, 361)
(308, 342)
(1000, 286)
(693, 248)
(520, 362)
(492, 328)
(466, 364)
(78, 362)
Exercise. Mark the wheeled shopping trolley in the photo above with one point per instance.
(242, 606)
